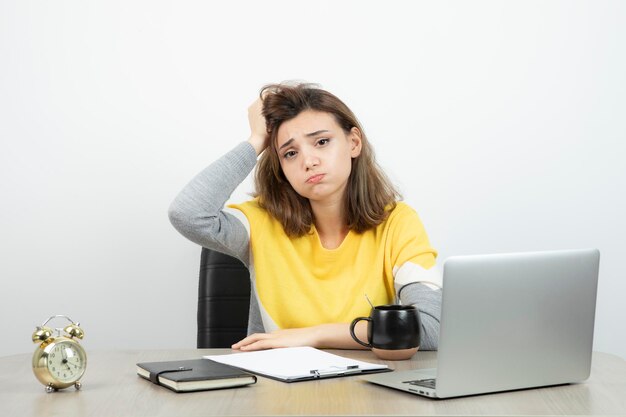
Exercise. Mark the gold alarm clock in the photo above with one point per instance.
(59, 361)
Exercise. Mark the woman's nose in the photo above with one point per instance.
(311, 160)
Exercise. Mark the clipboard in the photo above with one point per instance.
(297, 364)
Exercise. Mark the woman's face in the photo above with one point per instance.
(316, 154)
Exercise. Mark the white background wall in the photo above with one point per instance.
(502, 122)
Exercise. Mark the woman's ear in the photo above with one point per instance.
(356, 142)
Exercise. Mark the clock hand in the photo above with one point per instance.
(76, 362)
(65, 360)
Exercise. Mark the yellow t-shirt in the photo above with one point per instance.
(299, 283)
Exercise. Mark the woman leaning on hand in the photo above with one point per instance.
(325, 226)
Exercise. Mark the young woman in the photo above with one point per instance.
(324, 229)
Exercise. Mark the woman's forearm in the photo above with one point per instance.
(197, 210)
(337, 336)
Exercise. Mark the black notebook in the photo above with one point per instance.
(194, 375)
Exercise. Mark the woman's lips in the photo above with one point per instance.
(315, 179)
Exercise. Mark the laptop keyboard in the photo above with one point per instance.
(428, 383)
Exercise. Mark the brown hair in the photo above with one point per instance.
(369, 194)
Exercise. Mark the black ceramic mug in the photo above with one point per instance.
(393, 331)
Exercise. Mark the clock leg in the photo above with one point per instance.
(49, 388)
(78, 385)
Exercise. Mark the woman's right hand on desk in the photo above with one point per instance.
(322, 336)
(259, 139)
(306, 336)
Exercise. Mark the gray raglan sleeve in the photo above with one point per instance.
(197, 212)
(428, 302)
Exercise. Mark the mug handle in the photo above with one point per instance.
(356, 339)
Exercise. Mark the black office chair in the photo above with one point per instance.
(223, 300)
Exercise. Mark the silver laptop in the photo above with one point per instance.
(508, 322)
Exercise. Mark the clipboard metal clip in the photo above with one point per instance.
(335, 371)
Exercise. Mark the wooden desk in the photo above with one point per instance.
(112, 388)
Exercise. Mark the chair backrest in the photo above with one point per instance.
(223, 300)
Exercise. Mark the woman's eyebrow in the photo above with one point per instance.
(317, 132)
(308, 135)
(286, 144)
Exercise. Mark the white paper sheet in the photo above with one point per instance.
(295, 363)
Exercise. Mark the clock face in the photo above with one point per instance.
(67, 361)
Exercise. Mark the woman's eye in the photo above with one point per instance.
(289, 155)
(323, 141)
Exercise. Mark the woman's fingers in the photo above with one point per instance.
(259, 345)
(262, 341)
(250, 339)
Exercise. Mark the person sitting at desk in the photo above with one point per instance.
(324, 229)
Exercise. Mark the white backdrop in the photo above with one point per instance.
(503, 123)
